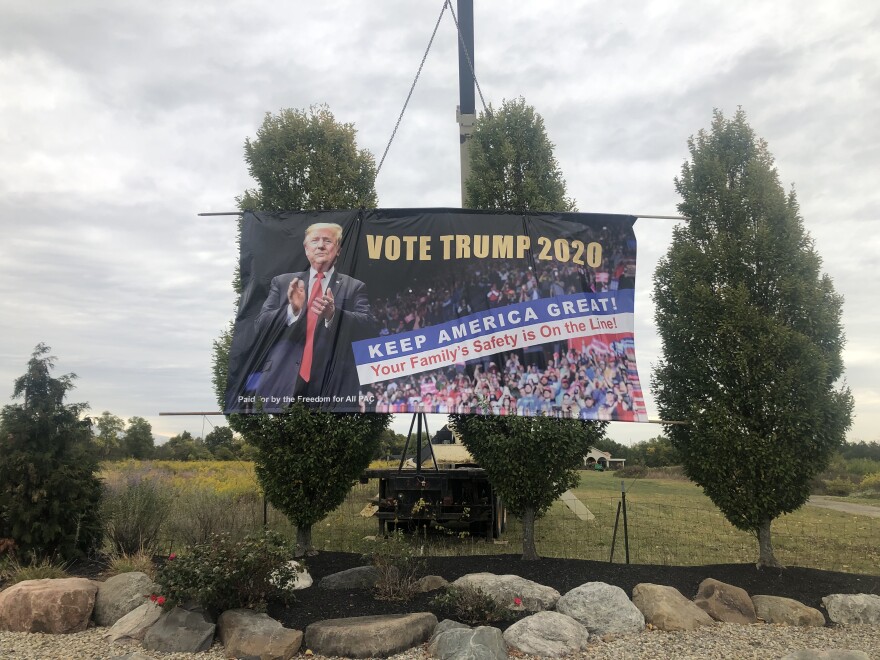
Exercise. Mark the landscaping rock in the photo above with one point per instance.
(120, 595)
(248, 635)
(137, 655)
(430, 583)
(504, 588)
(776, 609)
(853, 608)
(369, 636)
(134, 625)
(481, 643)
(725, 602)
(831, 654)
(448, 624)
(303, 579)
(547, 634)
(54, 606)
(362, 577)
(602, 609)
(665, 608)
(180, 631)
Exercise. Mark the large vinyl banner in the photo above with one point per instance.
(437, 311)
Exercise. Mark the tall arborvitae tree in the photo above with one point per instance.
(305, 160)
(512, 163)
(752, 335)
(530, 461)
(49, 491)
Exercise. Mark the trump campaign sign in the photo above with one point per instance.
(437, 311)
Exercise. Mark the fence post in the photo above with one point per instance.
(625, 529)
(614, 535)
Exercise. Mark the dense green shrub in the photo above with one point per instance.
(134, 513)
(49, 492)
(224, 574)
(840, 487)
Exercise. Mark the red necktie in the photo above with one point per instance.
(305, 368)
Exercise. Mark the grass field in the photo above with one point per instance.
(670, 521)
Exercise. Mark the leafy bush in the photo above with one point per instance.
(224, 574)
(631, 472)
(134, 513)
(471, 605)
(399, 568)
(871, 483)
(840, 487)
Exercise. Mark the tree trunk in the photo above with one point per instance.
(528, 542)
(304, 542)
(765, 547)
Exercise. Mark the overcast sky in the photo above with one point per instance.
(120, 122)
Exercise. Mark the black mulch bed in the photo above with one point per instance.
(806, 585)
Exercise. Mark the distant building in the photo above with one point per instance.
(603, 458)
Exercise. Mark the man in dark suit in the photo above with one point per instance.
(311, 318)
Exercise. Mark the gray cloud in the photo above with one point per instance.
(118, 124)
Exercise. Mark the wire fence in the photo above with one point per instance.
(661, 529)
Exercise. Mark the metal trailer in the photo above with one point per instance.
(456, 497)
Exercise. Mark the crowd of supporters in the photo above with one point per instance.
(565, 379)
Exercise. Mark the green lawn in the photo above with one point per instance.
(670, 521)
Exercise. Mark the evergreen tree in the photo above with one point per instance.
(512, 163)
(751, 333)
(49, 493)
(304, 161)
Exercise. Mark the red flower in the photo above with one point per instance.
(160, 600)
(153, 597)
(172, 557)
(517, 601)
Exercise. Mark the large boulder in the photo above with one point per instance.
(725, 602)
(248, 635)
(134, 625)
(481, 643)
(666, 609)
(602, 609)
(786, 611)
(853, 608)
(369, 636)
(120, 595)
(180, 631)
(55, 606)
(504, 589)
(362, 577)
(547, 634)
(447, 624)
(301, 580)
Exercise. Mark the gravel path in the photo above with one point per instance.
(847, 507)
(719, 641)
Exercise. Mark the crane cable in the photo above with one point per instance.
(446, 3)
